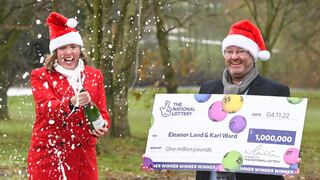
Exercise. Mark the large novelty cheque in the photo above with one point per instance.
(236, 133)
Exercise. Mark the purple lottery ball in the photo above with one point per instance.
(237, 124)
(216, 112)
(202, 97)
(147, 163)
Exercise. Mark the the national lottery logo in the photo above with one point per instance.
(175, 109)
(166, 109)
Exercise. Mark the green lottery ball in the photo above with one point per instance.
(294, 100)
(232, 161)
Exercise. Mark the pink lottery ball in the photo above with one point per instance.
(216, 112)
(291, 156)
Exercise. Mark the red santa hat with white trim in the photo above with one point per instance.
(245, 35)
(62, 31)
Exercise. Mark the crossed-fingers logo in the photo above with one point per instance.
(166, 109)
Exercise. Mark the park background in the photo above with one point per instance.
(144, 47)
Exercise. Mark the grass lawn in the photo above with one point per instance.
(120, 158)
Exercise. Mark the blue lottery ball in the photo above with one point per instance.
(294, 166)
(202, 97)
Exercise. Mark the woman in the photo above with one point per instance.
(63, 146)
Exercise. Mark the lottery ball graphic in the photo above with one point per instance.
(294, 100)
(291, 156)
(202, 97)
(232, 161)
(147, 162)
(294, 166)
(237, 124)
(216, 112)
(232, 103)
(219, 168)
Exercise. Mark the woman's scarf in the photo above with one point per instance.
(75, 78)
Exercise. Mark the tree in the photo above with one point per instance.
(128, 34)
(115, 39)
(167, 21)
(272, 17)
(304, 55)
(99, 21)
(15, 17)
(162, 36)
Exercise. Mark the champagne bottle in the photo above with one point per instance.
(93, 116)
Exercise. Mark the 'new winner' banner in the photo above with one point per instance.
(237, 133)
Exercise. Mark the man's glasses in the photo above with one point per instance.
(229, 53)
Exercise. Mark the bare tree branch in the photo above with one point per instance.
(89, 7)
(180, 23)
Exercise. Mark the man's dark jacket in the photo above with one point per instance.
(259, 86)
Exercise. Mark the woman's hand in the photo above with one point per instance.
(100, 132)
(83, 98)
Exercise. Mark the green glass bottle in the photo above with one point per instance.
(93, 116)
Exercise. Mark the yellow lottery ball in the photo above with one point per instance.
(232, 103)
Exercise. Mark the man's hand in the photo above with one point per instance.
(295, 175)
(146, 168)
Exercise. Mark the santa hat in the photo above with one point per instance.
(62, 31)
(245, 35)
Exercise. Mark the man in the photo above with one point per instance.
(241, 49)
